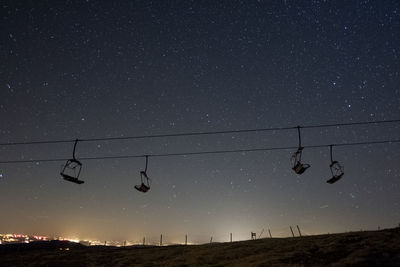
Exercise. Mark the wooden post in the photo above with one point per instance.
(231, 237)
(211, 240)
(185, 240)
(269, 231)
(291, 231)
(298, 229)
(124, 243)
(161, 240)
(144, 241)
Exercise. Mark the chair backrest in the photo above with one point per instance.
(336, 168)
(333, 163)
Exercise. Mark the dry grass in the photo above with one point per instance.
(373, 248)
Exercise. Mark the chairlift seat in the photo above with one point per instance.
(71, 171)
(337, 172)
(335, 178)
(142, 188)
(300, 168)
(145, 185)
(71, 179)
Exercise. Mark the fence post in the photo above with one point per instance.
(161, 240)
(291, 231)
(211, 240)
(144, 241)
(261, 233)
(269, 231)
(231, 237)
(298, 229)
(185, 240)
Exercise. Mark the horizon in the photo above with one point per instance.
(166, 242)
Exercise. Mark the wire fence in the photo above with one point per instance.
(291, 231)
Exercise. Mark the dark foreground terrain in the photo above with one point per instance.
(372, 248)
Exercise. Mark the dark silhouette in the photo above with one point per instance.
(72, 168)
(145, 180)
(253, 236)
(299, 167)
(336, 169)
(367, 248)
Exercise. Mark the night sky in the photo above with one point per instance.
(93, 69)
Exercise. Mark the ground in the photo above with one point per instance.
(367, 248)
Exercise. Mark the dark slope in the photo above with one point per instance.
(373, 248)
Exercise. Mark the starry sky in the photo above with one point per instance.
(93, 69)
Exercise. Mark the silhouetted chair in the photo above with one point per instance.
(337, 172)
(71, 171)
(300, 168)
(297, 166)
(145, 183)
(72, 168)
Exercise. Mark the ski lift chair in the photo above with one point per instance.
(337, 170)
(145, 180)
(297, 166)
(71, 170)
(145, 183)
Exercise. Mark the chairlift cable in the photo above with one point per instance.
(204, 152)
(197, 133)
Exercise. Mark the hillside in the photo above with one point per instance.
(356, 248)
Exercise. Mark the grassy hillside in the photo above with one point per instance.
(357, 248)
